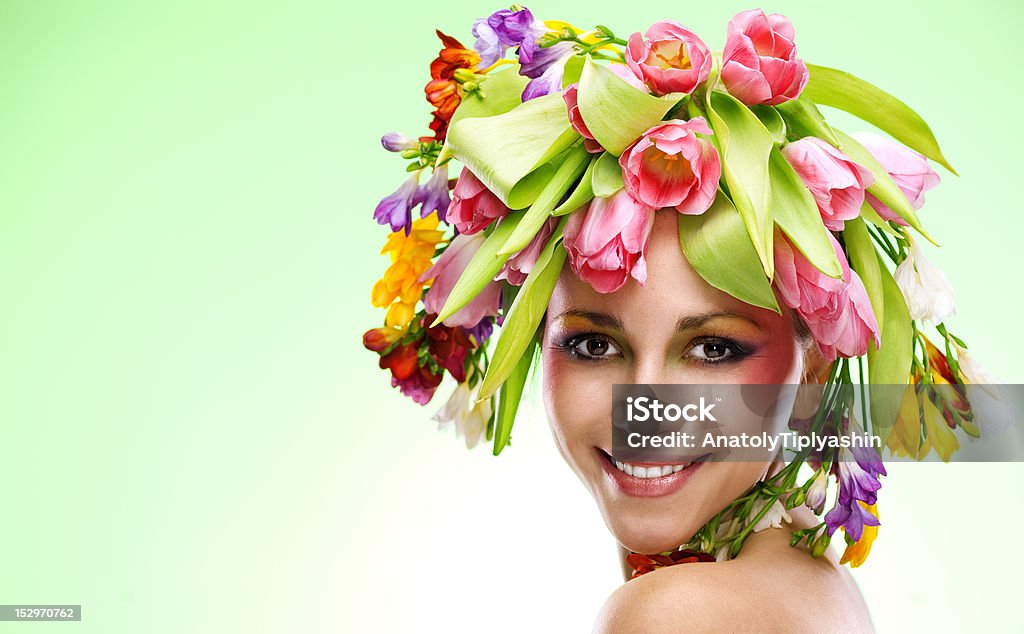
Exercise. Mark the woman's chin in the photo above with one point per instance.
(650, 533)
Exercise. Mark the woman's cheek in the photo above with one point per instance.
(578, 395)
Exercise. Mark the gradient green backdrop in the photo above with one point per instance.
(193, 439)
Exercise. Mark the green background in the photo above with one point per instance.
(193, 438)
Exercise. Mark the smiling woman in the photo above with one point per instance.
(645, 212)
(677, 329)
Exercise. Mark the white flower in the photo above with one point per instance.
(815, 499)
(926, 289)
(470, 418)
(456, 407)
(773, 518)
(990, 408)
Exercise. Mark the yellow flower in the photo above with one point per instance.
(905, 436)
(938, 435)
(411, 255)
(857, 553)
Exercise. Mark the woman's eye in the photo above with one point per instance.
(593, 348)
(714, 351)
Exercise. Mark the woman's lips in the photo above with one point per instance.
(647, 479)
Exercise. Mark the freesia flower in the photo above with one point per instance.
(411, 255)
(378, 339)
(447, 270)
(442, 89)
(503, 29)
(396, 209)
(937, 433)
(910, 171)
(473, 206)
(773, 518)
(669, 58)
(759, 63)
(544, 66)
(837, 183)
(991, 409)
(857, 552)
(607, 242)
(397, 142)
(858, 470)
(447, 346)
(837, 311)
(927, 291)
(415, 381)
(816, 493)
(481, 331)
(670, 166)
(570, 95)
(519, 265)
(472, 425)
(433, 195)
(642, 564)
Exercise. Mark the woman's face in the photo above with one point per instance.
(676, 329)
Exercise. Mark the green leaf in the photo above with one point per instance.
(803, 119)
(797, 215)
(607, 176)
(482, 268)
(524, 317)
(745, 145)
(884, 188)
(509, 396)
(772, 121)
(572, 167)
(890, 364)
(831, 87)
(510, 152)
(500, 92)
(573, 69)
(863, 259)
(580, 196)
(718, 247)
(615, 112)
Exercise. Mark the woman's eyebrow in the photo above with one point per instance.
(605, 320)
(691, 322)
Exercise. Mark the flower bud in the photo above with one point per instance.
(820, 544)
(397, 142)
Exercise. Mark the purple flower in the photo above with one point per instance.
(433, 195)
(858, 472)
(852, 517)
(482, 330)
(397, 142)
(544, 67)
(501, 30)
(396, 209)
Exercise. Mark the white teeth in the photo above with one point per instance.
(648, 472)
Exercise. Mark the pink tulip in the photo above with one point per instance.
(759, 63)
(446, 272)
(907, 168)
(670, 166)
(518, 266)
(473, 206)
(837, 311)
(837, 183)
(671, 58)
(607, 242)
(576, 119)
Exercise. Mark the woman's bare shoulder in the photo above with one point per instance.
(786, 592)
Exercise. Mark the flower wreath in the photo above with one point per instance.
(569, 146)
